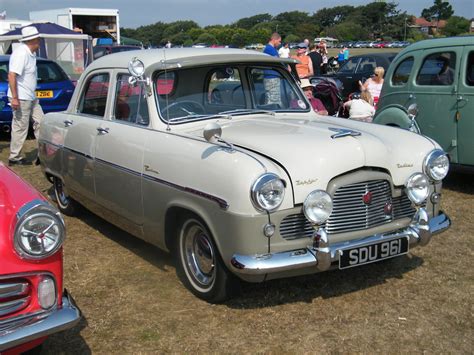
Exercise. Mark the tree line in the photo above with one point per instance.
(347, 23)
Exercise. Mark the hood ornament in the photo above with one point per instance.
(343, 132)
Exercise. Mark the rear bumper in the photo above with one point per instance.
(39, 326)
(322, 257)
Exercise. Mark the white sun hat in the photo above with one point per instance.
(29, 33)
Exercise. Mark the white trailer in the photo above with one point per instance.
(97, 23)
(8, 25)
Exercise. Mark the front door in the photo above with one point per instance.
(465, 102)
(434, 90)
(79, 146)
(120, 144)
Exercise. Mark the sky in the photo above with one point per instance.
(134, 13)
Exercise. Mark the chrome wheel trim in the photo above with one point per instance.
(198, 256)
(61, 196)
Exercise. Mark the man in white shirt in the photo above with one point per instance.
(284, 51)
(22, 93)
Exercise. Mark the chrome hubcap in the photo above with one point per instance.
(199, 254)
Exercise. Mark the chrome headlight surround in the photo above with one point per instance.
(39, 231)
(136, 67)
(418, 188)
(318, 206)
(267, 192)
(436, 165)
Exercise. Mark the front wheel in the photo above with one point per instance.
(65, 204)
(199, 264)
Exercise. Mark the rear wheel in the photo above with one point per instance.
(199, 264)
(65, 203)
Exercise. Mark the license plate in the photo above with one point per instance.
(44, 94)
(371, 253)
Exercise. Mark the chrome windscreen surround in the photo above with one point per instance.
(352, 213)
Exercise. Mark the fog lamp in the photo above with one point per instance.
(47, 293)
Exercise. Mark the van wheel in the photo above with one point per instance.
(199, 264)
(65, 204)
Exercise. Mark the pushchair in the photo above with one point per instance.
(328, 90)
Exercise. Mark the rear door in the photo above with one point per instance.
(79, 152)
(465, 106)
(434, 88)
(119, 151)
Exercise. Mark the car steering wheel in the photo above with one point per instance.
(176, 109)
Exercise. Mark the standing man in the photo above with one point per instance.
(21, 93)
(284, 51)
(271, 78)
(316, 59)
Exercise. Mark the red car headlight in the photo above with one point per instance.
(39, 231)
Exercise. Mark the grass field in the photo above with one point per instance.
(133, 302)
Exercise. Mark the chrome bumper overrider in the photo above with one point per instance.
(419, 232)
(34, 327)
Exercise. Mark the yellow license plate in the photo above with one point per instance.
(44, 94)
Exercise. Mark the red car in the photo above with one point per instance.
(33, 304)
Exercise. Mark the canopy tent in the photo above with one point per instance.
(68, 48)
(130, 41)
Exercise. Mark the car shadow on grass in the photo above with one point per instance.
(69, 341)
(459, 182)
(323, 285)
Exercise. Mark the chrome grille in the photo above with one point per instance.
(14, 296)
(350, 213)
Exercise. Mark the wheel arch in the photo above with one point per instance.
(393, 115)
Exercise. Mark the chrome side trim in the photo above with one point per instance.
(39, 326)
(325, 254)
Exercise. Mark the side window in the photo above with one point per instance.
(3, 72)
(470, 70)
(437, 69)
(367, 65)
(166, 83)
(349, 66)
(94, 96)
(402, 73)
(225, 88)
(130, 102)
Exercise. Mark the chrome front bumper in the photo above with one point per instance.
(27, 329)
(322, 257)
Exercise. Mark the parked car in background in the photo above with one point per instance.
(245, 185)
(54, 89)
(358, 67)
(101, 50)
(33, 303)
(429, 88)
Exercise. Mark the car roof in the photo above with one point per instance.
(179, 57)
(440, 42)
(384, 55)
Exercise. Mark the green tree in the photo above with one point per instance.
(293, 18)
(327, 17)
(207, 39)
(307, 30)
(291, 38)
(456, 25)
(248, 22)
(441, 10)
(347, 31)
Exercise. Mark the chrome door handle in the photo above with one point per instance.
(102, 131)
(68, 123)
(413, 97)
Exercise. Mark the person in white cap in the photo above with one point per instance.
(21, 93)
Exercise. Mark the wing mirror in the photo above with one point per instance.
(213, 132)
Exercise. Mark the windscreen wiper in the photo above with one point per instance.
(243, 111)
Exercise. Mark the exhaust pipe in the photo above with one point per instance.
(6, 128)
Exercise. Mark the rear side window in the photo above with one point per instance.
(402, 73)
(130, 102)
(50, 73)
(3, 72)
(470, 70)
(437, 69)
(94, 96)
(367, 65)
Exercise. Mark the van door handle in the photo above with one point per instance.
(102, 131)
(68, 123)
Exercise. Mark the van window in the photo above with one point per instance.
(402, 73)
(94, 97)
(130, 102)
(437, 69)
(470, 70)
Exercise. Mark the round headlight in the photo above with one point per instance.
(436, 165)
(267, 192)
(39, 233)
(418, 188)
(317, 206)
(136, 67)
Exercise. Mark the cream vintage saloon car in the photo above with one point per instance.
(215, 155)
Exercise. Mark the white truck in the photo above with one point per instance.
(97, 23)
(8, 25)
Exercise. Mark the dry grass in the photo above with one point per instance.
(133, 302)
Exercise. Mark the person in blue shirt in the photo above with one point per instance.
(271, 79)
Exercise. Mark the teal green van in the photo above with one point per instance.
(429, 89)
